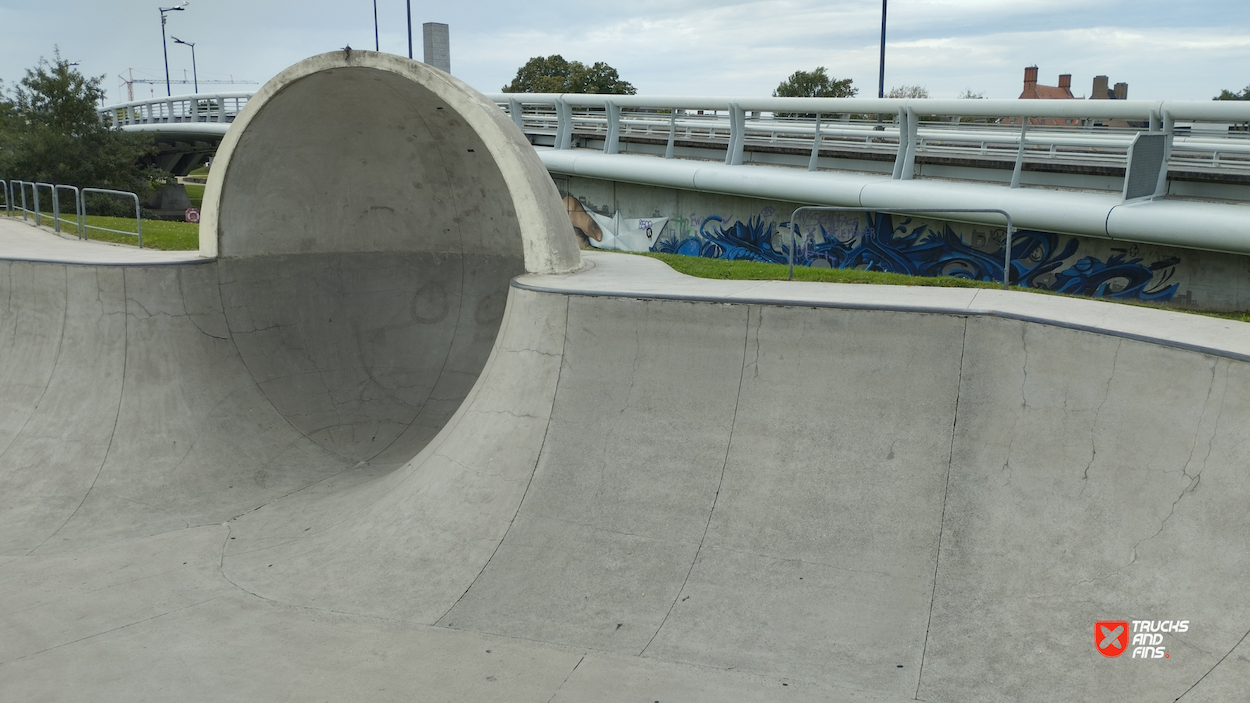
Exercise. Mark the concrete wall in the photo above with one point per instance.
(729, 227)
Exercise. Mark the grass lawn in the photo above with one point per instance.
(195, 193)
(753, 271)
(157, 234)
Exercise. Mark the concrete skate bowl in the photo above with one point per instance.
(285, 474)
(362, 223)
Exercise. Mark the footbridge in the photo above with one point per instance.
(1161, 172)
(188, 128)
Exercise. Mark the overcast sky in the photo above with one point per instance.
(1162, 48)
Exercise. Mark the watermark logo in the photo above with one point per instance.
(1111, 637)
(1144, 638)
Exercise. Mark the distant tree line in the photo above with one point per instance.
(553, 74)
(50, 132)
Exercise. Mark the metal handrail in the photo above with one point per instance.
(199, 107)
(815, 208)
(1017, 132)
(38, 210)
(83, 210)
(56, 207)
(8, 197)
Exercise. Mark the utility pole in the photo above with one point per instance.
(165, 46)
(881, 75)
(376, 45)
(409, 28)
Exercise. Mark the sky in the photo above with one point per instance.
(1164, 49)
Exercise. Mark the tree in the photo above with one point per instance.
(1229, 95)
(815, 84)
(49, 131)
(908, 91)
(969, 95)
(553, 74)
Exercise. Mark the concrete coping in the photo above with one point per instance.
(618, 275)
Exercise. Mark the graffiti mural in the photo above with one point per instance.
(1038, 259)
(595, 231)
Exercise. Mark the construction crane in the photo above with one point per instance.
(130, 83)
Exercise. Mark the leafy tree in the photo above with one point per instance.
(908, 91)
(1229, 95)
(969, 95)
(553, 74)
(815, 84)
(49, 131)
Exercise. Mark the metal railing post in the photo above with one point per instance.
(813, 162)
(1169, 131)
(564, 124)
(514, 110)
(138, 213)
(34, 188)
(612, 143)
(903, 133)
(819, 208)
(57, 200)
(1015, 175)
(672, 134)
(21, 186)
(8, 197)
(737, 136)
(913, 131)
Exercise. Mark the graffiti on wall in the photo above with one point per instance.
(595, 231)
(887, 243)
(1038, 259)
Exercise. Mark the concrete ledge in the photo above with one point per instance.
(625, 276)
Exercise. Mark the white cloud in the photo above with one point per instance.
(1161, 48)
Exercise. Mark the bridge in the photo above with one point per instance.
(188, 128)
(1173, 173)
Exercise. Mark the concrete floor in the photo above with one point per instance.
(362, 459)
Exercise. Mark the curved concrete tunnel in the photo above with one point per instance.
(352, 451)
(369, 213)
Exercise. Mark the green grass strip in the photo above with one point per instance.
(724, 269)
(157, 234)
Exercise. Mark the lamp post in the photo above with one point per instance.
(376, 45)
(195, 76)
(881, 75)
(165, 45)
(409, 28)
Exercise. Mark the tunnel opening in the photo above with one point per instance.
(369, 216)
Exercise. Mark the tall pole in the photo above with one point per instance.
(165, 45)
(195, 73)
(165, 49)
(376, 46)
(409, 28)
(881, 75)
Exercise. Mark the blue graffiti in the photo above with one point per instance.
(1037, 258)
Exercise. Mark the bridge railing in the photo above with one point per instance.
(200, 107)
(1202, 135)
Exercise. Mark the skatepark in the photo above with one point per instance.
(392, 436)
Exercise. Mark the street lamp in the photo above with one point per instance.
(194, 75)
(164, 45)
(881, 75)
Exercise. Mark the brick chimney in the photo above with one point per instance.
(1100, 91)
(1121, 91)
(1030, 84)
(1065, 82)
